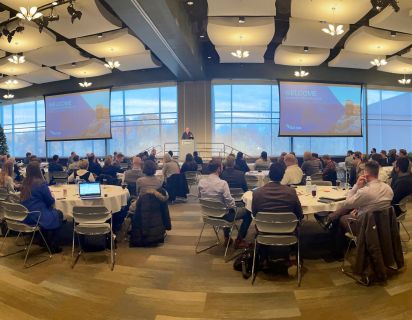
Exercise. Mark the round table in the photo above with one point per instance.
(113, 198)
(261, 175)
(309, 204)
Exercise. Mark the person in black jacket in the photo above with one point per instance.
(94, 167)
(189, 164)
(110, 169)
(196, 157)
(234, 178)
(402, 185)
(55, 165)
(241, 163)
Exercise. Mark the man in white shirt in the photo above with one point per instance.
(368, 194)
(293, 174)
(212, 187)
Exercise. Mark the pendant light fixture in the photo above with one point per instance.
(404, 81)
(378, 61)
(332, 29)
(112, 64)
(301, 73)
(16, 59)
(240, 53)
(29, 13)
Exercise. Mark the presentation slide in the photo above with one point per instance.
(78, 116)
(319, 109)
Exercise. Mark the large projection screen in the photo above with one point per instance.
(320, 109)
(78, 116)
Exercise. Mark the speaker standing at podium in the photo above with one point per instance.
(187, 135)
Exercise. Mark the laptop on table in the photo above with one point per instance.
(90, 190)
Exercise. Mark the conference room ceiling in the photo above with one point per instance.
(192, 41)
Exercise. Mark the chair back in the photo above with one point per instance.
(91, 214)
(14, 214)
(316, 177)
(213, 208)
(191, 177)
(59, 177)
(237, 193)
(322, 183)
(251, 181)
(276, 222)
(402, 205)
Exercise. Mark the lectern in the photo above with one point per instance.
(186, 146)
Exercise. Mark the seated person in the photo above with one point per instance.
(196, 157)
(27, 159)
(241, 163)
(189, 164)
(153, 155)
(82, 173)
(263, 163)
(329, 171)
(212, 187)
(170, 167)
(74, 165)
(368, 194)
(402, 186)
(36, 196)
(6, 177)
(94, 166)
(383, 176)
(149, 180)
(349, 160)
(55, 166)
(293, 174)
(234, 178)
(310, 165)
(131, 176)
(109, 168)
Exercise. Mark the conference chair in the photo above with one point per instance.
(277, 229)
(237, 194)
(316, 177)
(92, 221)
(402, 206)
(322, 183)
(213, 212)
(59, 177)
(15, 214)
(252, 181)
(191, 179)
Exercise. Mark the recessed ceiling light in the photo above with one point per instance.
(202, 36)
(241, 20)
(190, 3)
(54, 3)
(100, 35)
(209, 57)
(393, 34)
(306, 49)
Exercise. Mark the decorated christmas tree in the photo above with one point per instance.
(4, 149)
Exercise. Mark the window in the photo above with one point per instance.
(246, 117)
(389, 119)
(141, 118)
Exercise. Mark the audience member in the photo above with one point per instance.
(293, 174)
(241, 163)
(74, 165)
(131, 175)
(36, 197)
(234, 178)
(384, 158)
(110, 169)
(281, 159)
(383, 176)
(212, 187)
(82, 173)
(329, 171)
(54, 165)
(349, 160)
(315, 156)
(149, 180)
(94, 166)
(402, 185)
(310, 166)
(71, 158)
(392, 157)
(169, 166)
(153, 155)
(263, 163)
(6, 177)
(26, 160)
(189, 164)
(197, 158)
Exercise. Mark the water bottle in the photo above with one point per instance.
(308, 184)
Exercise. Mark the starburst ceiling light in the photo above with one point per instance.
(404, 80)
(10, 82)
(8, 95)
(378, 62)
(112, 64)
(240, 53)
(16, 59)
(301, 73)
(29, 13)
(332, 29)
(85, 84)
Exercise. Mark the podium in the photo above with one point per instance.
(185, 147)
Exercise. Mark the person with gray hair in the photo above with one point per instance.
(169, 166)
(293, 174)
(310, 165)
(234, 178)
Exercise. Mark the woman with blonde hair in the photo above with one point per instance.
(6, 177)
(82, 173)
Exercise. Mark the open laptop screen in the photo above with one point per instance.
(89, 189)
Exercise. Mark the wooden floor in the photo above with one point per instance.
(172, 282)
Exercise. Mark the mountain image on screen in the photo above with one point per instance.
(77, 116)
(318, 109)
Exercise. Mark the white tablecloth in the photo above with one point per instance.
(309, 204)
(251, 166)
(262, 176)
(113, 198)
